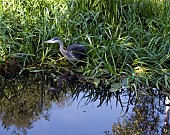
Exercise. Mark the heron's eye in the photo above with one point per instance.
(55, 39)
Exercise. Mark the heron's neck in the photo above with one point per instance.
(62, 50)
(66, 53)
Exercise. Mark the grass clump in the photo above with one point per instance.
(125, 38)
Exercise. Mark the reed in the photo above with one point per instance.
(125, 37)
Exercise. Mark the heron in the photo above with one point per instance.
(74, 52)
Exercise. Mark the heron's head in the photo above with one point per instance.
(54, 40)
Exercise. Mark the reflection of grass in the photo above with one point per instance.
(144, 119)
(23, 102)
(120, 35)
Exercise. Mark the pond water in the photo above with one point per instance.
(28, 107)
(75, 119)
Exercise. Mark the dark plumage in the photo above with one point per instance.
(77, 50)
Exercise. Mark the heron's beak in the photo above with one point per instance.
(50, 41)
(53, 40)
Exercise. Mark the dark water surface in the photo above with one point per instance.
(36, 107)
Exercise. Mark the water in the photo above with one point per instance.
(77, 119)
(27, 108)
(74, 118)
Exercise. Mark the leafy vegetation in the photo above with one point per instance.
(125, 38)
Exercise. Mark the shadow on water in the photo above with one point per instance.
(24, 100)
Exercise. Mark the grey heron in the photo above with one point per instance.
(74, 52)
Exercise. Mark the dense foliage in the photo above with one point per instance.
(125, 38)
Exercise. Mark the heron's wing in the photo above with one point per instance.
(77, 50)
(76, 47)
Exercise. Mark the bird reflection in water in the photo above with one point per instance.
(68, 77)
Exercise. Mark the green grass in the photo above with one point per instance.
(120, 36)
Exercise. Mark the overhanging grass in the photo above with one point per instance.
(120, 36)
